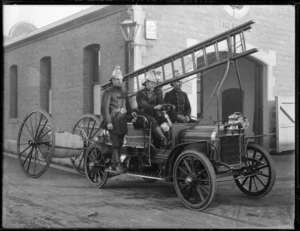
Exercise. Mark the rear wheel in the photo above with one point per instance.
(36, 143)
(194, 180)
(87, 127)
(94, 165)
(259, 172)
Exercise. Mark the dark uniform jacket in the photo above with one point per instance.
(113, 99)
(148, 99)
(180, 100)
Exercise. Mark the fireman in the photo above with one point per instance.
(115, 108)
(181, 101)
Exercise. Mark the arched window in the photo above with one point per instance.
(45, 84)
(91, 79)
(13, 85)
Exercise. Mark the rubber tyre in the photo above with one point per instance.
(203, 186)
(262, 182)
(95, 167)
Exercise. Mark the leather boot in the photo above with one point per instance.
(116, 158)
(159, 134)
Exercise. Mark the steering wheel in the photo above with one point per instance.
(165, 108)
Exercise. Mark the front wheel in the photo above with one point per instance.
(258, 171)
(194, 180)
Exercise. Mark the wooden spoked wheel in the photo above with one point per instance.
(258, 172)
(88, 126)
(95, 166)
(36, 143)
(194, 180)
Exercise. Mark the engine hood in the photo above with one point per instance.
(198, 133)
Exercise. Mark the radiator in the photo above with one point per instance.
(232, 149)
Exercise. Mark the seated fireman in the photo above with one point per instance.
(180, 100)
(148, 100)
(115, 108)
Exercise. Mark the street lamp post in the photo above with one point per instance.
(129, 29)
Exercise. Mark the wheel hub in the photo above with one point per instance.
(250, 170)
(92, 164)
(189, 180)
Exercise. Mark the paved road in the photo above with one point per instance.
(61, 199)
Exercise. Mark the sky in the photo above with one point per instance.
(38, 15)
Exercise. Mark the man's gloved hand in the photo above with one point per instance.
(110, 126)
(158, 107)
(133, 114)
(181, 119)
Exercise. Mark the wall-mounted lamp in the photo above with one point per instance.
(129, 29)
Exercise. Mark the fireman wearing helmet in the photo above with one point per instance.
(149, 100)
(181, 101)
(115, 108)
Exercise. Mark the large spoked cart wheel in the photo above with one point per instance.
(259, 172)
(36, 143)
(87, 127)
(95, 166)
(194, 179)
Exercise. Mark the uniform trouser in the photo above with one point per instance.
(174, 116)
(117, 143)
(156, 121)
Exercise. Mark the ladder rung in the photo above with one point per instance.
(229, 46)
(217, 51)
(137, 82)
(173, 68)
(194, 60)
(163, 71)
(182, 64)
(204, 56)
(242, 38)
(234, 45)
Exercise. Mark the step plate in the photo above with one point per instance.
(137, 174)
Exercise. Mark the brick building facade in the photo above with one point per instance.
(60, 67)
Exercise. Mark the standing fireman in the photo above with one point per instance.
(115, 107)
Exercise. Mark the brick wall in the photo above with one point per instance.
(66, 52)
(273, 31)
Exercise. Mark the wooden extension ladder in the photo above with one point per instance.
(216, 51)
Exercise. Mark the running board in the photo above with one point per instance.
(148, 176)
(137, 174)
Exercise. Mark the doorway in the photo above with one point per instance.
(249, 102)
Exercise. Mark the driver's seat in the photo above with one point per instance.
(138, 132)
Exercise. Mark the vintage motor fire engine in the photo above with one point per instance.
(197, 153)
